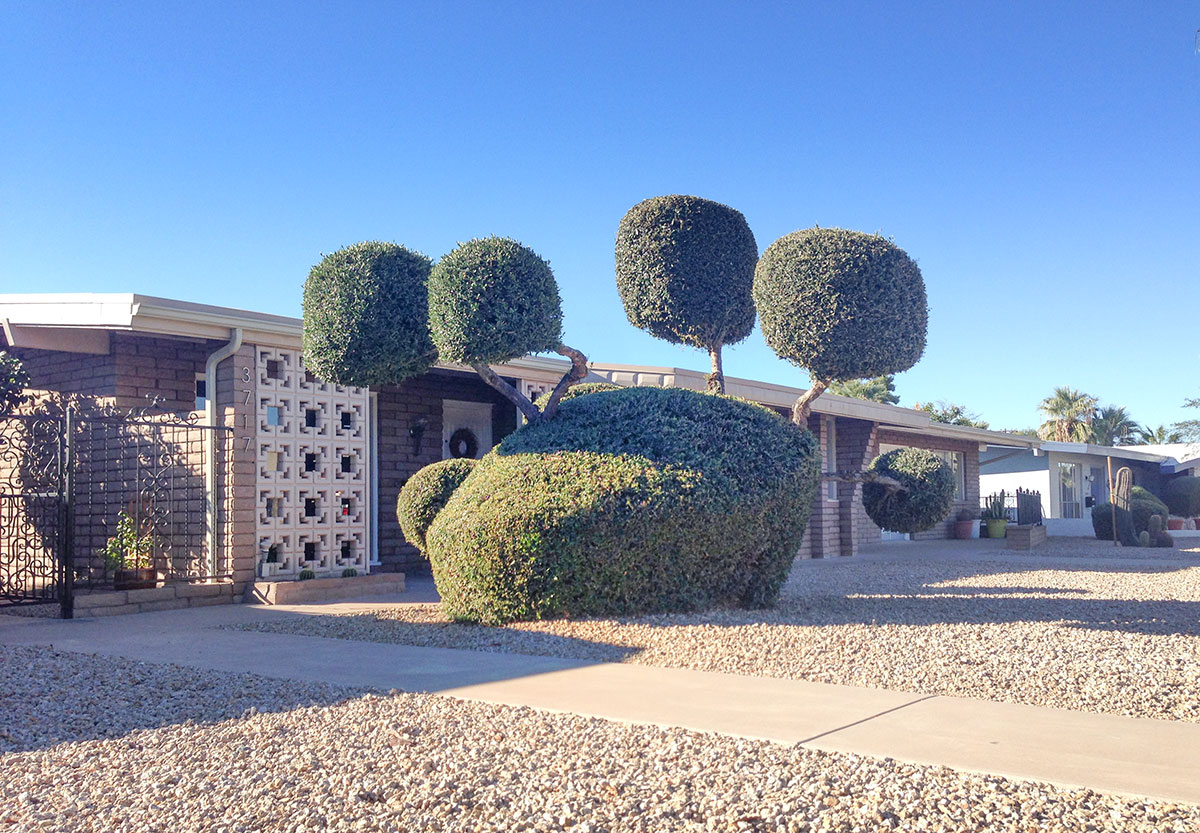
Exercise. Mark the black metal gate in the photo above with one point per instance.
(99, 498)
(34, 511)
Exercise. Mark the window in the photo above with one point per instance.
(829, 460)
(958, 464)
(201, 393)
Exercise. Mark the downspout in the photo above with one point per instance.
(212, 508)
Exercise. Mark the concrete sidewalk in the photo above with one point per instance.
(1159, 759)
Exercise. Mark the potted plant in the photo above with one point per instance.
(1175, 523)
(995, 514)
(129, 556)
(964, 523)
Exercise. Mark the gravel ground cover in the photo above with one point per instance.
(404, 762)
(1109, 636)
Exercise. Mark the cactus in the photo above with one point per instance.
(1143, 539)
(305, 575)
(1158, 535)
(1121, 496)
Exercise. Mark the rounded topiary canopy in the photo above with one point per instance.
(841, 304)
(926, 497)
(493, 300)
(685, 267)
(582, 389)
(366, 315)
(634, 500)
(424, 495)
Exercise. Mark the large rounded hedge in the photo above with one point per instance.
(924, 501)
(424, 495)
(366, 315)
(1182, 495)
(685, 268)
(493, 300)
(1140, 511)
(628, 501)
(841, 304)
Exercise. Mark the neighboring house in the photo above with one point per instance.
(1073, 477)
(304, 475)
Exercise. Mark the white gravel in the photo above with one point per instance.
(403, 762)
(1109, 636)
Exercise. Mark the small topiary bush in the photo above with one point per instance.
(927, 496)
(1182, 496)
(491, 301)
(582, 389)
(841, 304)
(424, 495)
(366, 315)
(634, 500)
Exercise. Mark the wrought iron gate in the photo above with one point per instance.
(89, 497)
(34, 511)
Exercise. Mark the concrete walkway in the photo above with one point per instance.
(1159, 759)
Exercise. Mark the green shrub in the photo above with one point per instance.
(13, 381)
(1182, 495)
(366, 315)
(1140, 512)
(582, 389)
(424, 495)
(924, 501)
(491, 301)
(841, 304)
(636, 500)
(685, 267)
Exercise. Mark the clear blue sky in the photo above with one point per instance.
(1041, 161)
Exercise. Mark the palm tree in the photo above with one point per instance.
(1113, 426)
(1069, 415)
(1162, 435)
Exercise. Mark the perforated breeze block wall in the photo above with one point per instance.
(313, 458)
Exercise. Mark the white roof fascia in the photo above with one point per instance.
(1123, 452)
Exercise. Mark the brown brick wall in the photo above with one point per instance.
(970, 451)
(399, 406)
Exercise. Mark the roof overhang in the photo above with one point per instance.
(1121, 452)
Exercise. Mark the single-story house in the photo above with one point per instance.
(1073, 477)
(297, 475)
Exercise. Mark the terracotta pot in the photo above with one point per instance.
(1196, 521)
(141, 578)
(962, 529)
(1175, 523)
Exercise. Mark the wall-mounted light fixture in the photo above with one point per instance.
(416, 430)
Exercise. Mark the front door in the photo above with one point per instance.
(466, 429)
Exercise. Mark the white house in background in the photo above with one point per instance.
(1073, 477)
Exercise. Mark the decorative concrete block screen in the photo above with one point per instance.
(312, 470)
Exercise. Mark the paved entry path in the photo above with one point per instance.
(1154, 758)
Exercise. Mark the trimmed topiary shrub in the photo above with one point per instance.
(924, 500)
(634, 500)
(491, 301)
(685, 268)
(1182, 496)
(1140, 512)
(840, 304)
(424, 495)
(366, 315)
(582, 389)
(13, 381)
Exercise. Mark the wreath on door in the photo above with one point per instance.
(464, 443)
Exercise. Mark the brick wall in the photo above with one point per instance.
(398, 406)
(970, 452)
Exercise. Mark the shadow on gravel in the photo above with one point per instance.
(48, 697)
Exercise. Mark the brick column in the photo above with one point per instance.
(236, 408)
(855, 450)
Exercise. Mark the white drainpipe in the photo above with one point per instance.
(212, 507)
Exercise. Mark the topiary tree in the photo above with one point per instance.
(634, 500)
(685, 268)
(494, 300)
(424, 495)
(842, 305)
(582, 389)
(925, 495)
(13, 381)
(366, 320)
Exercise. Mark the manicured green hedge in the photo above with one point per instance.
(1182, 495)
(366, 315)
(926, 499)
(582, 389)
(1140, 514)
(424, 495)
(634, 500)
(685, 267)
(493, 300)
(841, 304)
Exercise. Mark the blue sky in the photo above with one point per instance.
(1040, 161)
